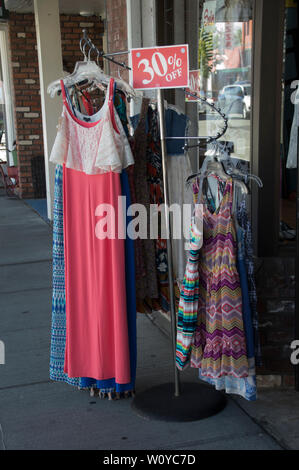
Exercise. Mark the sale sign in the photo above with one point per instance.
(209, 12)
(194, 85)
(159, 67)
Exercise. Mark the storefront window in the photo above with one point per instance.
(224, 61)
(223, 37)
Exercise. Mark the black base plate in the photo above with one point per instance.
(197, 401)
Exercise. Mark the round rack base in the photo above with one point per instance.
(197, 401)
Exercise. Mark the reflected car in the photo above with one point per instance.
(235, 99)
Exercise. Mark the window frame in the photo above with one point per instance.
(265, 130)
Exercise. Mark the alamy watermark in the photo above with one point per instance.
(2, 353)
(295, 353)
(147, 222)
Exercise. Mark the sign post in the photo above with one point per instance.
(161, 112)
(163, 67)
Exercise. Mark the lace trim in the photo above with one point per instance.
(93, 150)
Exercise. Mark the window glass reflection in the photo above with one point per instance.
(224, 43)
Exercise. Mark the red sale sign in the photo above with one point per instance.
(159, 67)
(194, 84)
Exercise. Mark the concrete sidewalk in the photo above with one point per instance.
(36, 413)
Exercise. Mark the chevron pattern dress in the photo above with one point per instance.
(210, 326)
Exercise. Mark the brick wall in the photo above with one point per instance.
(71, 33)
(25, 75)
(117, 34)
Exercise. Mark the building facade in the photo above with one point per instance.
(247, 40)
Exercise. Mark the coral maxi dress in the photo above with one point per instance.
(93, 155)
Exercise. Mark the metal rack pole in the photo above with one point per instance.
(161, 112)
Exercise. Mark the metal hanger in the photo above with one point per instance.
(213, 165)
(207, 139)
(216, 154)
(89, 71)
(246, 176)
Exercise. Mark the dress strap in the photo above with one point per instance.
(228, 195)
(110, 90)
(62, 86)
(110, 96)
(231, 195)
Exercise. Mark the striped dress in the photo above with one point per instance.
(188, 303)
(210, 324)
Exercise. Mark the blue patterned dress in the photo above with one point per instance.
(244, 223)
(58, 331)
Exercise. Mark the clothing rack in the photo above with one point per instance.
(217, 110)
(165, 402)
(161, 112)
(109, 55)
(175, 402)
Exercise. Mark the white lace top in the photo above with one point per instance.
(96, 146)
